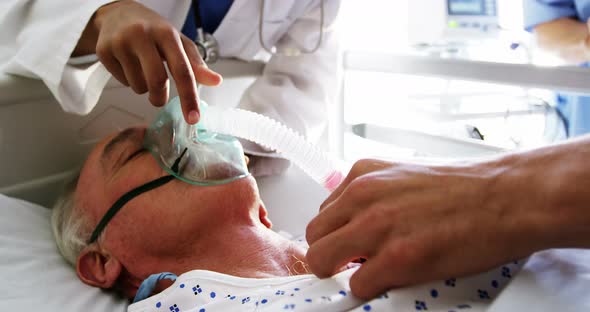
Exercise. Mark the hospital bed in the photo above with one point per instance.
(40, 146)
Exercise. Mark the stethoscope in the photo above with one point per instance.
(209, 47)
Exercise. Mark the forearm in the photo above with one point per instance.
(549, 189)
(565, 37)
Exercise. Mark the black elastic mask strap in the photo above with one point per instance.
(130, 195)
(123, 200)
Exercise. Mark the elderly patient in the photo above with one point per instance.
(222, 231)
(177, 227)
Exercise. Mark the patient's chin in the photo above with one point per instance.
(263, 216)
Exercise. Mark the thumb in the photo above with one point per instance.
(203, 74)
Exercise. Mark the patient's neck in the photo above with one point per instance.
(249, 251)
(244, 250)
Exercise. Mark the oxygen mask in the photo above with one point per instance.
(209, 158)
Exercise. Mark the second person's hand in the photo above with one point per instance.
(420, 223)
(133, 42)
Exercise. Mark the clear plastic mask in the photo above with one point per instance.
(210, 158)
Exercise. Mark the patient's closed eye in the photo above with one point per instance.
(135, 154)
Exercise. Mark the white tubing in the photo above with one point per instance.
(276, 136)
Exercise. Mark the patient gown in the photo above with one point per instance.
(207, 291)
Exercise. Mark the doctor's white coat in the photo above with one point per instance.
(38, 37)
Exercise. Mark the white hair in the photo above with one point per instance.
(70, 227)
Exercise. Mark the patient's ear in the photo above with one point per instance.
(98, 268)
(263, 215)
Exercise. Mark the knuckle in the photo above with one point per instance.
(156, 100)
(363, 181)
(157, 82)
(182, 73)
(357, 189)
(141, 89)
(122, 80)
(384, 212)
(360, 166)
(103, 51)
(404, 254)
(119, 41)
(138, 90)
(310, 232)
(137, 29)
(314, 261)
(164, 31)
(369, 165)
(187, 42)
(374, 218)
(395, 251)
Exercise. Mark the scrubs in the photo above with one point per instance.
(211, 13)
(574, 108)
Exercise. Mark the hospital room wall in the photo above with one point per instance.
(38, 152)
(383, 25)
(387, 27)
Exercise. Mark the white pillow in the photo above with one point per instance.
(33, 275)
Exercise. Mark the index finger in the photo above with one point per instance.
(360, 168)
(333, 217)
(338, 248)
(182, 73)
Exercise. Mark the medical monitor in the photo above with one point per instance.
(472, 16)
(456, 21)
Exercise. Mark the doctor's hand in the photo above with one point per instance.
(133, 42)
(416, 223)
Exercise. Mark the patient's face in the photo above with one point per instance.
(159, 223)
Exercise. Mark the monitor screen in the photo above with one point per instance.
(472, 7)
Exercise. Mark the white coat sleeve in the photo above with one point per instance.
(38, 37)
(297, 90)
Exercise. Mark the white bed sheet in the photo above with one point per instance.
(552, 280)
(33, 275)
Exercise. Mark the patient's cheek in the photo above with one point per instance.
(238, 199)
